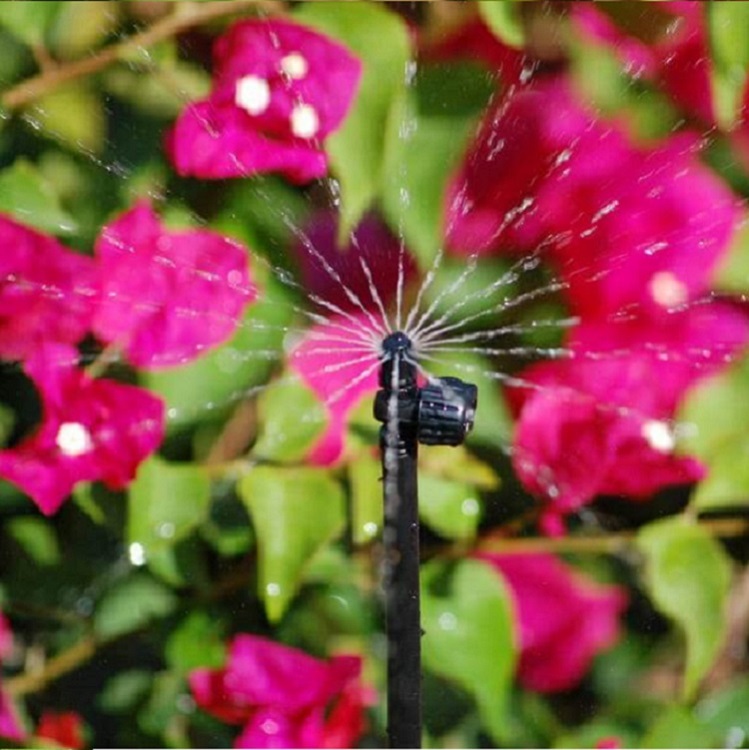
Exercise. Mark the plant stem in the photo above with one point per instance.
(601, 544)
(66, 661)
(185, 16)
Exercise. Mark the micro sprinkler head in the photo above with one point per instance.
(440, 413)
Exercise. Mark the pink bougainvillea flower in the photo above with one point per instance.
(358, 276)
(491, 202)
(65, 728)
(279, 89)
(352, 286)
(282, 696)
(601, 207)
(47, 292)
(565, 618)
(652, 248)
(90, 430)
(167, 296)
(602, 421)
(677, 59)
(339, 362)
(571, 445)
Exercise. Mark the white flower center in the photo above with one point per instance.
(659, 436)
(304, 121)
(667, 290)
(73, 439)
(252, 94)
(294, 65)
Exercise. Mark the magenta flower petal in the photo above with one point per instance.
(90, 430)
(338, 361)
(214, 142)
(280, 694)
(168, 296)
(371, 251)
(272, 728)
(47, 292)
(10, 723)
(6, 637)
(279, 89)
(565, 619)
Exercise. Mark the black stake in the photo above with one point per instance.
(441, 413)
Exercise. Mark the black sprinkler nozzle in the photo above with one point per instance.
(440, 413)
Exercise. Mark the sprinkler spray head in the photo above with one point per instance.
(442, 412)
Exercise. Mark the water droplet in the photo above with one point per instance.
(185, 704)
(165, 530)
(137, 554)
(272, 589)
(370, 528)
(469, 507)
(448, 621)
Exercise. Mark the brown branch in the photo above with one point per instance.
(601, 544)
(185, 16)
(66, 661)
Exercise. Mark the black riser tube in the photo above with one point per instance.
(402, 602)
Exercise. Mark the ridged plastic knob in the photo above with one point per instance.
(447, 409)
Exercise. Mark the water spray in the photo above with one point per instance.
(439, 413)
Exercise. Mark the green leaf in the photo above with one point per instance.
(503, 18)
(72, 115)
(196, 642)
(296, 512)
(426, 138)
(29, 21)
(713, 418)
(81, 26)
(365, 474)
(124, 690)
(732, 273)
(688, 575)
(726, 712)
(36, 538)
(728, 35)
(7, 424)
(132, 605)
(228, 528)
(458, 464)
(291, 418)
(167, 501)
(27, 196)
(379, 38)
(678, 728)
(452, 509)
(467, 616)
